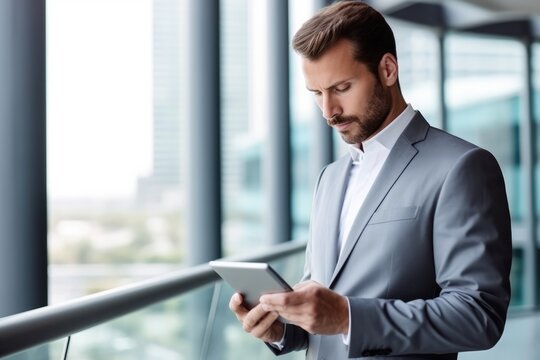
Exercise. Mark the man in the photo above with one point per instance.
(410, 245)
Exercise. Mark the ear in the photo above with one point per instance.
(388, 70)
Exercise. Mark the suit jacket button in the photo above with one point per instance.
(368, 353)
(376, 352)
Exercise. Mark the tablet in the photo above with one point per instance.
(250, 279)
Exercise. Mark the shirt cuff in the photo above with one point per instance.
(281, 343)
(347, 338)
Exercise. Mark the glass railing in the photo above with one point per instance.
(197, 324)
(177, 316)
(54, 350)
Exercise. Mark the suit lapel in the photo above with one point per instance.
(334, 201)
(399, 158)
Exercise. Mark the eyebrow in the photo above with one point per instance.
(337, 83)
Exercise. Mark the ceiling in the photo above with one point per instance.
(527, 7)
(521, 6)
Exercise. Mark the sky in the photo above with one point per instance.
(99, 97)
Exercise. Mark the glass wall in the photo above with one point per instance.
(418, 58)
(536, 119)
(485, 106)
(115, 169)
(304, 115)
(245, 124)
(536, 172)
(241, 130)
(116, 134)
(114, 97)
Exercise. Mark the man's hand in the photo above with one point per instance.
(258, 322)
(311, 306)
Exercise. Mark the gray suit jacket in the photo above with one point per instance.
(426, 265)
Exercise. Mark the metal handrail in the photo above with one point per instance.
(34, 327)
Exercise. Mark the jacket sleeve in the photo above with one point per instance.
(296, 339)
(472, 253)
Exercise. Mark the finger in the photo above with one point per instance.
(304, 284)
(297, 319)
(287, 310)
(283, 299)
(277, 308)
(301, 320)
(235, 304)
(253, 317)
(264, 325)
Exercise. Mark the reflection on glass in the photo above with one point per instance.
(484, 88)
(114, 99)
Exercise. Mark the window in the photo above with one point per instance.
(485, 100)
(536, 118)
(115, 96)
(304, 115)
(418, 58)
(243, 124)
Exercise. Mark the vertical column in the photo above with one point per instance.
(324, 139)
(443, 111)
(528, 151)
(278, 153)
(203, 178)
(203, 211)
(23, 195)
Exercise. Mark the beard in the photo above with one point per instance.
(378, 108)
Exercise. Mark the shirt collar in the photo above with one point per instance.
(387, 137)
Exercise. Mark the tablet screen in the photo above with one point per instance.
(250, 279)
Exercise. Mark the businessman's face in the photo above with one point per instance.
(353, 101)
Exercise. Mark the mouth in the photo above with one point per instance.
(342, 123)
(342, 126)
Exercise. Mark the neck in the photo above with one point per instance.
(397, 108)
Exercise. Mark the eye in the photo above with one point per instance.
(342, 88)
(316, 93)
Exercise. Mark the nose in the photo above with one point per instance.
(330, 107)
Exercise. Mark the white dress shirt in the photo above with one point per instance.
(366, 166)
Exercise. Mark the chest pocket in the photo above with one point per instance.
(394, 214)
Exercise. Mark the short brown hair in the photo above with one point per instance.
(357, 22)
